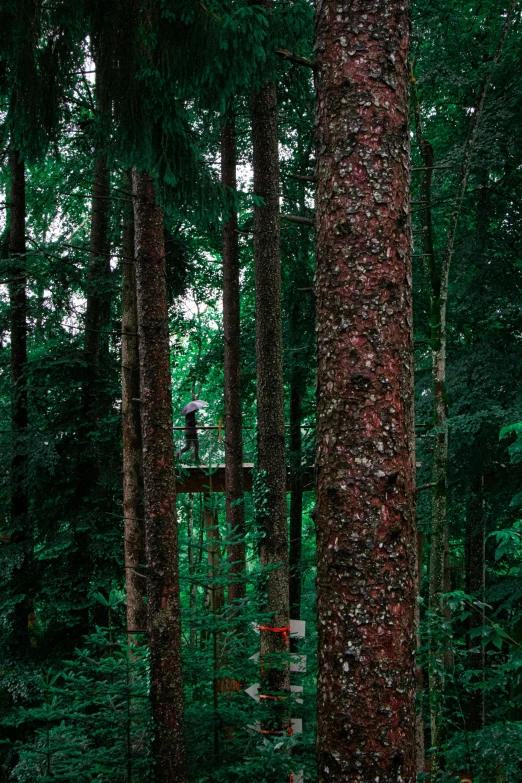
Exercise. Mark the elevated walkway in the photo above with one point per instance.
(190, 478)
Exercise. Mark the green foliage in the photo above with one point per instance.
(92, 720)
(73, 695)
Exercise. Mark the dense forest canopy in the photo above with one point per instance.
(305, 218)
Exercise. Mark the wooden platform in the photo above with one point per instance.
(212, 479)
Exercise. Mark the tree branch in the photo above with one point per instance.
(302, 177)
(295, 58)
(299, 219)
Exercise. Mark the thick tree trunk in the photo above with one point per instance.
(20, 533)
(475, 586)
(131, 429)
(296, 498)
(365, 512)
(161, 535)
(270, 393)
(233, 415)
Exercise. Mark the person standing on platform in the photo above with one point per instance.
(191, 431)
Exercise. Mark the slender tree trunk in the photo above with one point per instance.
(233, 414)
(20, 533)
(215, 603)
(270, 394)
(438, 275)
(161, 535)
(365, 510)
(215, 590)
(476, 585)
(192, 572)
(439, 531)
(298, 343)
(448, 645)
(419, 742)
(97, 312)
(132, 447)
(296, 498)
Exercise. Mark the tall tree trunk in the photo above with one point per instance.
(365, 511)
(215, 602)
(475, 586)
(161, 534)
(235, 510)
(298, 343)
(97, 312)
(134, 525)
(270, 393)
(193, 590)
(296, 498)
(439, 532)
(215, 591)
(419, 741)
(20, 533)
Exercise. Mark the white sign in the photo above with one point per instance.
(253, 691)
(297, 629)
(297, 663)
(297, 689)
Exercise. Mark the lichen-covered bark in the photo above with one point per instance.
(269, 357)
(233, 415)
(20, 534)
(134, 525)
(161, 535)
(366, 577)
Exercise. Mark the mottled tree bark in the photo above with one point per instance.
(20, 534)
(270, 393)
(134, 525)
(161, 535)
(475, 586)
(233, 414)
(365, 514)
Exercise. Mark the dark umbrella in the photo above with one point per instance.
(193, 406)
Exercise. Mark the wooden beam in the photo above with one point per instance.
(200, 479)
